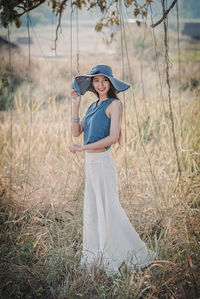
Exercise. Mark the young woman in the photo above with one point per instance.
(109, 239)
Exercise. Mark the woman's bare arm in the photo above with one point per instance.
(77, 126)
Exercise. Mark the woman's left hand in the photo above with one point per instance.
(75, 148)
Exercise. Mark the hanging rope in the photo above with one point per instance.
(134, 102)
(157, 65)
(165, 22)
(141, 71)
(11, 114)
(179, 70)
(52, 33)
(71, 71)
(30, 101)
(141, 63)
(36, 38)
(124, 97)
(79, 163)
(77, 42)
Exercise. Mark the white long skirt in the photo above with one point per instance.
(109, 239)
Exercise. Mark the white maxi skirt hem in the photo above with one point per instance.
(109, 239)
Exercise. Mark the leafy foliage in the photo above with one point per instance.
(12, 11)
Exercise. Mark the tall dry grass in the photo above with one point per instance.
(41, 211)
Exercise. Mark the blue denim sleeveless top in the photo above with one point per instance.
(96, 122)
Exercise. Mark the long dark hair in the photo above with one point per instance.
(111, 93)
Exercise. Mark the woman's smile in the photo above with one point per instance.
(102, 85)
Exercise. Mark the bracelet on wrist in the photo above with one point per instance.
(75, 120)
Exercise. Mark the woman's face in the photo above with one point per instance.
(102, 85)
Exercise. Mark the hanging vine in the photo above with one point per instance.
(11, 118)
(169, 87)
(30, 99)
(119, 9)
(179, 69)
(135, 106)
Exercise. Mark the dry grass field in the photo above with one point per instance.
(42, 183)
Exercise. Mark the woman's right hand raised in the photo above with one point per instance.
(75, 98)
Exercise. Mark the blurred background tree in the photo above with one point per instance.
(190, 9)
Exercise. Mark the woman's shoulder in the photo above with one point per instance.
(114, 106)
(115, 102)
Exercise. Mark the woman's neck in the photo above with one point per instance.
(103, 98)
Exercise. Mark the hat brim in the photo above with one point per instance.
(84, 83)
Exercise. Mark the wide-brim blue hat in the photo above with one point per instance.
(84, 83)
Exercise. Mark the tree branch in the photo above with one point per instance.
(164, 14)
(59, 23)
(31, 8)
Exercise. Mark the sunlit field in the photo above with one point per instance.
(42, 183)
